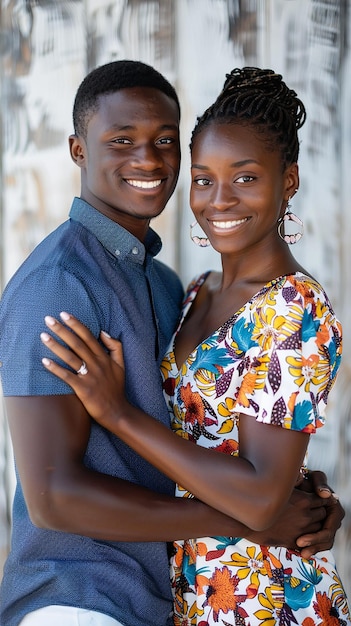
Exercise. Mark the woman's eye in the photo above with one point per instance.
(244, 179)
(202, 182)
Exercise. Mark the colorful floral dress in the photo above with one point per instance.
(275, 359)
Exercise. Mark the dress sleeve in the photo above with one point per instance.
(292, 356)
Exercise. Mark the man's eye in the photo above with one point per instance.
(123, 140)
(166, 140)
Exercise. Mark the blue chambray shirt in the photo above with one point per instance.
(95, 269)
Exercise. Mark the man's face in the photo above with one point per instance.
(131, 156)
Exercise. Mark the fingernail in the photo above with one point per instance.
(50, 321)
(45, 361)
(103, 332)
(64, 316)
(326, 489)
(44, 336)
(303, 543)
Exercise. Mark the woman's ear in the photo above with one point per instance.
(292, 181)
(77, 148)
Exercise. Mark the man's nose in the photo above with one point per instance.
(147, 156)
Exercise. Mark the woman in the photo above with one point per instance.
(248, 372)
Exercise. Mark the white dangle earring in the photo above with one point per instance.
(203, 242)
(289, 217)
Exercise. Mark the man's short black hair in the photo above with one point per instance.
(110, 78)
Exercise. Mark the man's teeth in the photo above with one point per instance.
(230, 224)
(144, 184)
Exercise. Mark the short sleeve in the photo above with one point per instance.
(25, 303)
(293, 352)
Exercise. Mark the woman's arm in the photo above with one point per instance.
(252, 488)
(308, 521)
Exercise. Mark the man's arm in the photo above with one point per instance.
(50, 436)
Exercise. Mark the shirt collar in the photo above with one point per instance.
(116, 239)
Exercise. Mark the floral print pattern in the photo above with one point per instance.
(275, 359)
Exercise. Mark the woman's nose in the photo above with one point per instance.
(223, 196)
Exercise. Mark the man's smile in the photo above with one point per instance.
(144, 184)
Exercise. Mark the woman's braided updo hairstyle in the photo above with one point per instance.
(260, 98)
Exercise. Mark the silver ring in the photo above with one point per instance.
(83, 369)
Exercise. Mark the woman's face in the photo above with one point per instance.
(238, 187)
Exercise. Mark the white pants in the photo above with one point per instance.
(67, 615)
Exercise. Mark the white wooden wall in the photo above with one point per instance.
(45, 51)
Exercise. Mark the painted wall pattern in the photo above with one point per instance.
(46, 47)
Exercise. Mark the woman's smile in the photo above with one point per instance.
(228, 224)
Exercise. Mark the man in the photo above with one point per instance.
(91, 519)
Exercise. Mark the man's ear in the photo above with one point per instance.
(292, 181)
(77, 148)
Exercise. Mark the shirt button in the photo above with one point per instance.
(135, 250)
(117, 252)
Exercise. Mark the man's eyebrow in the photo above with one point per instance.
(118, 127)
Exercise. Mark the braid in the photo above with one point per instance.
(259, 98)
